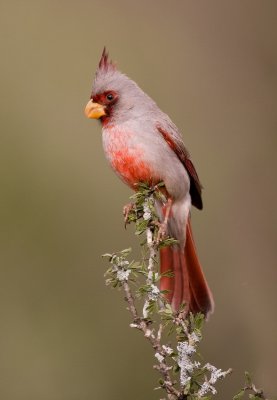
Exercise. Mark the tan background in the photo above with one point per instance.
(212, 66)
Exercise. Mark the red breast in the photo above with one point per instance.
(126, 157)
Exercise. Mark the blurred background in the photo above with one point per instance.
(211, 65)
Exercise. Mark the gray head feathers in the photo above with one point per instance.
(130, 97)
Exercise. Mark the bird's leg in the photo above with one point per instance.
(126, 211)
(163, 225)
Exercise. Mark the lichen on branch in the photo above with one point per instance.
(173, 335)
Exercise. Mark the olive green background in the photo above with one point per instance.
(211, 65)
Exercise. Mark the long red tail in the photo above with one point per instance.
(188, 285)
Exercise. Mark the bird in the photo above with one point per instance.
(142, 144)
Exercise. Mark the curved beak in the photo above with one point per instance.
(94, 110)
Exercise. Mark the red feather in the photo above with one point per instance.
(183, 155)
(188, 285)
(104, 62)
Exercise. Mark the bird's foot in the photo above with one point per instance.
(126, 211)
(161, 235)
(162, 232)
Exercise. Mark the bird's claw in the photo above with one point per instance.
(161, 235)
(161, 232)
(126, 211)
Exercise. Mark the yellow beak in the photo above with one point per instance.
(94, 110)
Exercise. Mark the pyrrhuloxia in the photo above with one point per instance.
(142, 144)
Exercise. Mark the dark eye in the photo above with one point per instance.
(110, 96)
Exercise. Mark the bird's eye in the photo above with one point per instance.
(110, 96)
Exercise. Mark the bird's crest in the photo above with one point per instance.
(108, 77)
(105, 73)
(105, 64)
